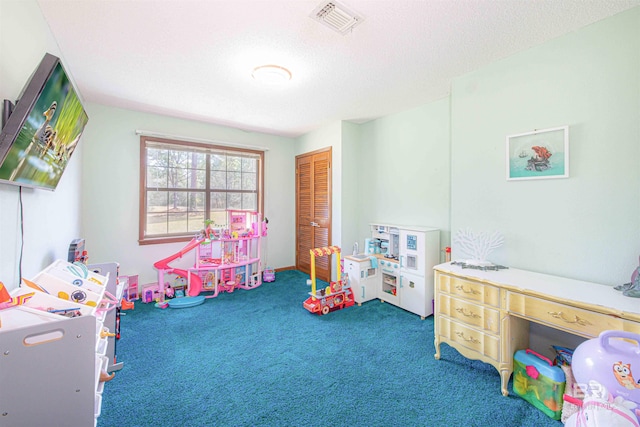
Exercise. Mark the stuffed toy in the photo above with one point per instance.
(600, 408)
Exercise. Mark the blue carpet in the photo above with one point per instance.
(257, 358)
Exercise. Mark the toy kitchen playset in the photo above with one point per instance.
(396, 267)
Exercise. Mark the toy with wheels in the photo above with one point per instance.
(337, 295)
(268, 275)
(611, 362)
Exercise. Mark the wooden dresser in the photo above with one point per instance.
(485, 315)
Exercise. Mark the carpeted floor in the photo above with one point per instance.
(257, 358)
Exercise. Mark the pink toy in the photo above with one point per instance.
(131, 292)
(163, 267)
(221, 255)
(599, 408)
(611, 362)
(268, 275)
(162, 304)
(169, 292)
(149, 293)
(229, 286)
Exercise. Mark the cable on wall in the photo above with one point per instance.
(21, 234)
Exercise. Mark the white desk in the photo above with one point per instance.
(485, 315)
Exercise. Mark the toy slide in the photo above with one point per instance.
(195, 283)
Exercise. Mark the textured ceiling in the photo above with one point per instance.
(193, 59)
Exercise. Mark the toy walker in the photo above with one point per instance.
(337, 295)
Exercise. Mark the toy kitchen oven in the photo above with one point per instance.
(406, 256)
(385, 244)
(404, 245)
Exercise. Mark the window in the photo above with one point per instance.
(183, 184)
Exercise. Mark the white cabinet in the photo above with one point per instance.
(46, 370)
(419, 252)
(362, 277)
(416, 298)
(111, 320)
(412, 251)
(52, 349)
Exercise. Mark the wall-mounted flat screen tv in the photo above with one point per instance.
(42, 130)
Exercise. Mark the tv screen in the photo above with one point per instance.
(43, 130)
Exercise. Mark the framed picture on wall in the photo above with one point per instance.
(540, 154)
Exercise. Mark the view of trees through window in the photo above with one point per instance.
(186, 184)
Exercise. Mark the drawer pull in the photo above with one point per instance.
(470, 339)
(470, 291)
(467, 313)
(576, 319)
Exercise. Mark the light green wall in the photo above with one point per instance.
(345, 142)
(586, 226)
(327, 136)
(404, 169)
(351, 172)
(111, 188)
(441, 164)
(51, 219)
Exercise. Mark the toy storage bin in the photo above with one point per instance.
(537, 381)
(19, 317)
(66, 290)
(78, 275)
(43, 302)
(47, 367)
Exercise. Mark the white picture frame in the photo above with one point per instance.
(539, 154)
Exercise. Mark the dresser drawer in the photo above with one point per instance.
(581, 322)
(483, 343)
(630, 326)
(474, 291)
(469, 313)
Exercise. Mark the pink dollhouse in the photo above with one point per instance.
(226, 257)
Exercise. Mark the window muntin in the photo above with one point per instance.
(183, 184)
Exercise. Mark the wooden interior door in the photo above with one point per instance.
(313, 210)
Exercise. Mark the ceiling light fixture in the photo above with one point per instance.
(271, 74)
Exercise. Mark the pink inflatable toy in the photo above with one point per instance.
(610, 361)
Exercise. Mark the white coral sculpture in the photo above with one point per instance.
(478, 245)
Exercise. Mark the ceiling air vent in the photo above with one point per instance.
(337, 17)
